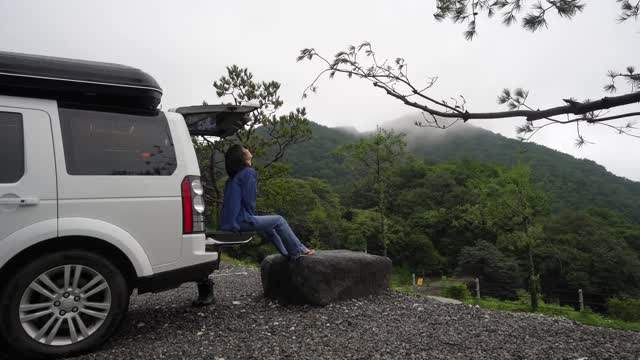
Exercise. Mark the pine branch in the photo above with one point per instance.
(395, 82)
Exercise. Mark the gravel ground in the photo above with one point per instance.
(242, 325)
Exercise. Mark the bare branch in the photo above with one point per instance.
(395, 82)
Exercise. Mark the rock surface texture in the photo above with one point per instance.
(325, 277)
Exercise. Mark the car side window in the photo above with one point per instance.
(11, 147)
(106, 143)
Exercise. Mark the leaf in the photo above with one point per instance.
(533, 22)
(509, 19)
(340, 54)
(524, 129)
(519, 92)
(469, 34)
(610, 88)
(364, 44)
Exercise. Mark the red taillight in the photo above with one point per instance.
(187, 207)
(193, 207)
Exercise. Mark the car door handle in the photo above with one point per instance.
(20, 201)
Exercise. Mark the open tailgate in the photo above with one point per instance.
(215, 120)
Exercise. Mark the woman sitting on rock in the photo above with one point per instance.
(238, 208)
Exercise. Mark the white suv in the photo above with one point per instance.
(100, 194)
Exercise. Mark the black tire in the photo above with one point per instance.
(11, 329)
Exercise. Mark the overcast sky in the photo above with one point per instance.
(186, 45)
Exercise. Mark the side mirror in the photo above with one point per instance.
(215, 120)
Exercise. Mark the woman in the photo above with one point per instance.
(238, 208)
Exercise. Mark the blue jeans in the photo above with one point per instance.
(276, 229)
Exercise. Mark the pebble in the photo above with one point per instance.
(392, 325)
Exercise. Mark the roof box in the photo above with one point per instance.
(78, 82)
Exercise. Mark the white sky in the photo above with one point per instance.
(185, 45)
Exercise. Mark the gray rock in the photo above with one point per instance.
(324, 277)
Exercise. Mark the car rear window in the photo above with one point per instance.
(11, 148)
(105, 143)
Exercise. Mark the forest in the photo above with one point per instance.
(514, 214)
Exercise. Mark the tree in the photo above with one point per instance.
(310, 206)
(359, 226)
(512, 207)
(373, 158)
(267, 134)
(416, 250)
(590, 250)
(361, 61)
(498, 273)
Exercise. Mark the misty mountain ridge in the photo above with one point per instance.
(572, 183)
(423, 140)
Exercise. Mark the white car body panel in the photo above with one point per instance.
(140, 215)
(37, 185)
(114, 235)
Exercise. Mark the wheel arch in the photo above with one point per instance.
(90, 244)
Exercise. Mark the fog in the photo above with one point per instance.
(186, 46)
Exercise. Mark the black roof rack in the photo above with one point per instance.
(78, 82)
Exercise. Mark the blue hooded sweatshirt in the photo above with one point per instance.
(239, 200)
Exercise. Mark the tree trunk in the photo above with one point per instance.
(380, 200)
(533, 283)
(382, 228)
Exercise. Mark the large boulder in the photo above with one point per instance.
(324, 277)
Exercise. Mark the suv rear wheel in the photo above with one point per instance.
(64, 303)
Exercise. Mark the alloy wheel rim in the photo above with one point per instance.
(65, 305)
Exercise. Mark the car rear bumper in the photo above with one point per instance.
(173, 278)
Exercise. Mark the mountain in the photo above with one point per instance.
(572, 183)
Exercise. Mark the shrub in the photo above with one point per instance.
(523, 297)
(401, 276)
(498, 272)
(455, 290)
(625, 309)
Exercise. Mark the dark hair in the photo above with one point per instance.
(234, 160)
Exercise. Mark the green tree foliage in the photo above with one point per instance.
(569, 183)
(359, 228)
(373, 158)
(624, 309)
(590, 250)
(278, 131)
(311, 208)
(459, 217)
(512, 207)
(498, 272)
(415, 250)
(455, 290)
(314, 157)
